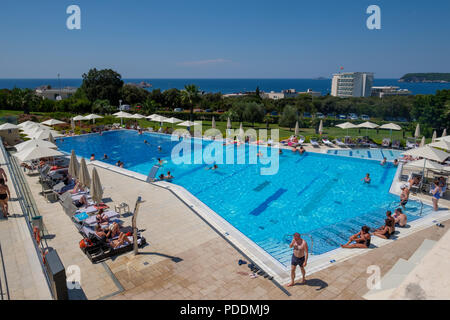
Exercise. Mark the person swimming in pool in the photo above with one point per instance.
(395, 163)
(259, 154)
(105, 157)
(160, 162)
(384, 161)
(280, 151)
(214, 167)
(301, 150)
(146, 142)
(367, 179)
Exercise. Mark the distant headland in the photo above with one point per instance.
(426, 77)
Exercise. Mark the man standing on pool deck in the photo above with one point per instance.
(299, 257)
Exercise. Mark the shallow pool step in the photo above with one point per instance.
(421, 252)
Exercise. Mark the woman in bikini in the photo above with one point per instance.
(386, 231)
(361, 239)
(4, 197)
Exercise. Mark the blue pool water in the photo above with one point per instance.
(370, 154)
(322, 195)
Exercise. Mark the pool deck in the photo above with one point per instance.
(187, 259)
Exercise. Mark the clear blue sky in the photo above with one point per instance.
(223, 39)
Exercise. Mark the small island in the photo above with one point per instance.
(426, 77)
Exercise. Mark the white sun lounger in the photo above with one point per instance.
(340, 143)
(327, 142)
(314, 143)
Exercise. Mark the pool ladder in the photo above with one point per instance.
(311, 250)
(396, 204)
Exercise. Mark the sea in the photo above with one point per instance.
(227, 86)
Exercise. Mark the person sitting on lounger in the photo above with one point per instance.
(383, 162)
(400, 218)
(361, 239)
(77, 188)
(387, 230)
(102, 218)
(367, 178)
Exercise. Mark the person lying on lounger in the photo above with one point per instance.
(81, 203)
(361, 239)
(77, 188)
(123, 239)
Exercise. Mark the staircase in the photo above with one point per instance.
(401, 269)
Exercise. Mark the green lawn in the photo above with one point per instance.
(284, 133)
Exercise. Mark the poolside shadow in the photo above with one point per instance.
(75, 294)
(107, 200)
(320, 284)
(174, 259)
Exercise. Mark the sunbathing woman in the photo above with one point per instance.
(102, 219)
(78, 188)
(81, 203)
(100, 233)
(361, 239)
(386, 231)
(123, 238)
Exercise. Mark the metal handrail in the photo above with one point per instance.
(421, 204)
(27, 205)
(5, 278)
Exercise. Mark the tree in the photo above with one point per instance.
(190, 96)
(131, 94)
(102, 85)
(289, 117)
(253, 112)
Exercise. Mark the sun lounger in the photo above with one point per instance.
(328, 143)
(349, 143)
(340, 143)
(91, 221)
(314, 143)
(396, 144)
(301, 140)
(411, 144)
(386, 142)
(102, 250)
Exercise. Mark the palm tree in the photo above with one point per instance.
(190, 96)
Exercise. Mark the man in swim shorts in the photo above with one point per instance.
(299, 257)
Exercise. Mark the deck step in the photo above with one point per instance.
(421, 252)
(391, 280)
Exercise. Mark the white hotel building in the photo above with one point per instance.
(352, 84)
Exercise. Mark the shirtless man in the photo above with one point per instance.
(400, 218)
(299, 257)
(404, 197)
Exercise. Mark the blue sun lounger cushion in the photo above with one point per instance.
(82, 216)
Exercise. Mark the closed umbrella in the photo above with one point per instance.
(444, 133)
(229, 123)
(72, 124)
(241, 132)
(213, 124)
(37, 153)
(417, 133)
(83, 174)
(74, 166)
(422, 143)
(53, 122)
(321, 127)
(33, 143)
(433, 138)
(50, 138)
(96, 189)
(296, 131)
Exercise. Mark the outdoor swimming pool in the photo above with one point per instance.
(370, 154)
(318, 194)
